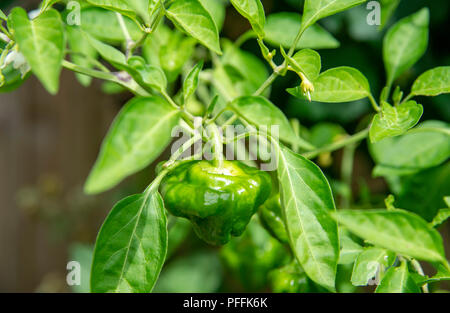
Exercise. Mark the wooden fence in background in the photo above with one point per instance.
(39, 135)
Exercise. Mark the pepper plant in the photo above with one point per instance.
(169, 55)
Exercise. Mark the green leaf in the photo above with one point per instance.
(12, 78)
(281, 29)
(433, 82)
(174, 54)
(120, 6)
(349, 249)
(308, 62)
(252, 69)
(151, 48)
(388, 8)
(42, 43)
(340, 84)
(148, 76)
(216, 9)
(307, 202)
(396, 230)
(413, 152)
(193, 18)
(405, 43)
(191, 82)
(142, 8)
(441, 217)
(369, 264)
(153, 6)
(104, 26)
(253, 11)
(394, 121)
(315, 10)
(3, 16)
(197, 273)
(138, 135)
(81, 49)
(261, 112)
(107, 52)
(131, 246)
(398, 280)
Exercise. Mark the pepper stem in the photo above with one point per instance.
(217, 144)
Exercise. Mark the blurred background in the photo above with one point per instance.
(49, 143)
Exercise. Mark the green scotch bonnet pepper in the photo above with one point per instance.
(219, 201)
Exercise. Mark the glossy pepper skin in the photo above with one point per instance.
(271, 218)
(218, 201)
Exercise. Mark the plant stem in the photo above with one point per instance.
(129, 42)
(266, 84)
(169, 99)
(338, 145)
(240, 137)
(408, 97)
(5, 31)
(388, 90)
(296, 40)
(218, 144)
(375, 106)
(138, 43)
(230, 121)
(347, 172)
(91, 72)
(137, 90)
(419, 270)
(279, 69)
(93, 61)
(187, 145)
(5, 53)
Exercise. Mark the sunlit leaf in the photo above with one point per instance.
(191, 81)
(120, 6)
(138, 135)
(307, 202)
(131, 246)
(261, 112)
(398, 280)
(308, 62)
(315, 10)
(340, 84)
(395, 120)
(410, 153)
(369, 264)
(42, 42)
(103, 25)
(194, 19)
(396, 230)
(405, 43)
(81, 52)
(433, 82)
(253, 11)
